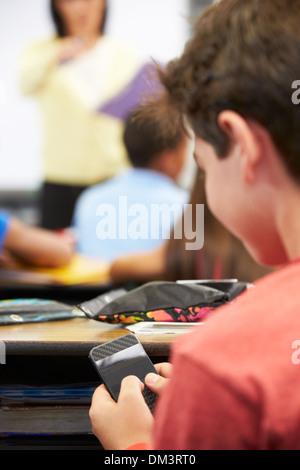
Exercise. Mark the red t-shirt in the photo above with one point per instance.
(236, 380)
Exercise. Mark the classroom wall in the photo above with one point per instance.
(161, 27)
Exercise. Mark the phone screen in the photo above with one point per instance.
(129, 361)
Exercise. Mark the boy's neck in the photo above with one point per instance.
(288, 221)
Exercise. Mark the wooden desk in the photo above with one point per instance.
(73, 337)
(41, 355)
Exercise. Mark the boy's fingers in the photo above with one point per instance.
(101, 394)
(131, 385)
(164, 369)
(155, 382)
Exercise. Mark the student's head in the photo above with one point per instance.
(78, 17)
(149, 145)
(222, 254)
(233, 84)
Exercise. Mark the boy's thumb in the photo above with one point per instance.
(155, 382)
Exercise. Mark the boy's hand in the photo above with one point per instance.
(129, 421)
(125, 423)
(156, 383)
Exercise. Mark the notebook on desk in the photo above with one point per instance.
(82, 270)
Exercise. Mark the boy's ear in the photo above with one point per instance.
(244, 138)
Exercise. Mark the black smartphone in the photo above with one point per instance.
(119, 358)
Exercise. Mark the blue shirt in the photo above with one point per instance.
(131, 212)
(4, 224)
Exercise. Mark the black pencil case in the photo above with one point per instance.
(162, 301)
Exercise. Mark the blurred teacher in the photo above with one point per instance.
(86, 83)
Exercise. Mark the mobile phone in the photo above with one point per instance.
(119, 358)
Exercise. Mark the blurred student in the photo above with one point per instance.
(223, 256)
(233, 385)
(86, 83)
(31, 245)
(117, 217)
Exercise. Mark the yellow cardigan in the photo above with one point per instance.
(82, 144)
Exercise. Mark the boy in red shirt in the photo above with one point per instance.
(233, 384)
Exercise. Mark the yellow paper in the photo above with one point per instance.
(81, 270)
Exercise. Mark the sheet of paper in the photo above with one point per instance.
(162, 327)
